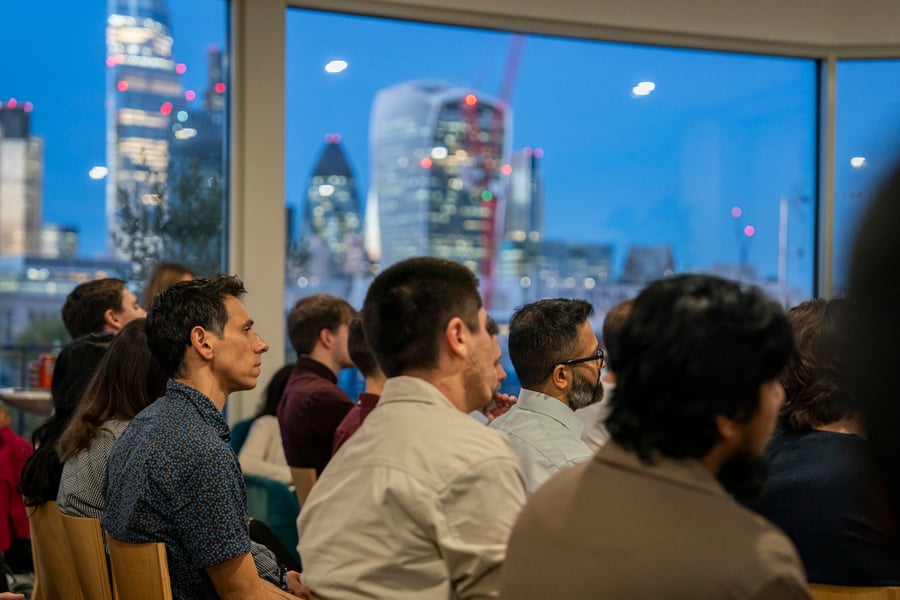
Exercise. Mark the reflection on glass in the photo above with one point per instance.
(551, 167)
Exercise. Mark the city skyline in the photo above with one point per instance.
(615, 170)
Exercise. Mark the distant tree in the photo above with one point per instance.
(140, 221)
(180, 222)
(193, 230)
(43, 331)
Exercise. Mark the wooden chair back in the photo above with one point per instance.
(139, 571)
(55, 576)
(86, 541)
(820, 591)
(304, 480)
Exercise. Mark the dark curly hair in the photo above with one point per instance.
(694, 347)
(183, 306)
(813, 391)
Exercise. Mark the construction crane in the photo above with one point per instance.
(484, 147)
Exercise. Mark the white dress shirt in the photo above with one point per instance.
(545, 434)
(263, 453)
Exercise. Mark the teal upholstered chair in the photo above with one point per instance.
(275, 504)
(239, 434)
(269, 501)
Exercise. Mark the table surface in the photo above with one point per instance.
(38, 401)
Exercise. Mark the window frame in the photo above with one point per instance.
(257, 188)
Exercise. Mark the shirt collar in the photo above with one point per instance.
(687, 472)
(367, 400)
(413, 389)
(203, 405)
(305, 363)
(550, 407)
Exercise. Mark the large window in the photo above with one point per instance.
(553, 167)
(867, 148)
(112, 153)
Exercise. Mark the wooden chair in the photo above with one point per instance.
(86, 541)
(304, 480)
(139, 571)
(55, 575)
(821, 591)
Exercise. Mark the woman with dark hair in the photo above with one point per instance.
(262, 453)
(127, 380)
(42, 471)
(822, 489)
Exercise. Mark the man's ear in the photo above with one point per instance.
(326, 338)
(112, 320)
(202, 342)
(560, 377)
(456, 335)
(729, 429)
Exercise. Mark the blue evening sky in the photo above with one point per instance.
(720, 130)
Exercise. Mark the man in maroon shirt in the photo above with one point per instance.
(362, 357)
(313, 405)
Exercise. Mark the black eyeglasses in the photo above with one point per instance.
(598, 356)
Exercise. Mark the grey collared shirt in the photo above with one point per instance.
(545, 434)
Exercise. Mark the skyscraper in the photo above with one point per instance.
(436, 152)
(21, 181)
(142, 84)
(332, 221)
(524, 211)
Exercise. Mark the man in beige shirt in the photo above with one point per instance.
(650, 516)
(419, 503)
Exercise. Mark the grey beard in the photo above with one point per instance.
(584, 394)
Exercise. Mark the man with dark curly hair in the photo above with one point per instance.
(650, 516)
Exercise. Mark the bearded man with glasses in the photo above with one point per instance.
(558, 360)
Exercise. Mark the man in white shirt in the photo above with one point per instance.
(558, 360)
(419, 503)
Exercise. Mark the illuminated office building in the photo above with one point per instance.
(59, 241)
(21, 180)
(436, 155)
(524, 213)
(142, 84)
(332, 222)
(197, 129)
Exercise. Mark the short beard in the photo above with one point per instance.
(744, 475)
(584, 394)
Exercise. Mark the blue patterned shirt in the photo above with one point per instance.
(173, 478)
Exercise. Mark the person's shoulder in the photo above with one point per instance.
(481, 441)
(766, 543)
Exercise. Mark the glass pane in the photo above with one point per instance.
(552, 167)
(868, 126)
(112, 153)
